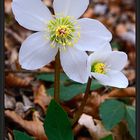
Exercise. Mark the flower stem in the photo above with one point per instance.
(57, 77)
(80, 111)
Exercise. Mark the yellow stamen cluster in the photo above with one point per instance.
(98, 68)
(63, 32)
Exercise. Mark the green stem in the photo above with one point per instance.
(80, 110)
(57, 77)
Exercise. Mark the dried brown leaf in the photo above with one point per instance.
(94, 126)
(20, 109)
(41, 98)
(9, 102)
(34, 128)
(131, 75)
(92, 106)
(127, 92)
(120, 132)
(10, 136)
(16, 81)
(7, 6)
(13, 56)
(121, 29)
(89, 13)
(132, 58)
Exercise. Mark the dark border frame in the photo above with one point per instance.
(1, 69)
(138, 69)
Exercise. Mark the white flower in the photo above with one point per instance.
(62, 31)
(106, 67)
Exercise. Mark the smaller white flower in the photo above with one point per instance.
(106, 68)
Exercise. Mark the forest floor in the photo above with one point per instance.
(28, 93)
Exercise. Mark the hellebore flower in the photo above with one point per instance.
(62, 31)
(106, 68)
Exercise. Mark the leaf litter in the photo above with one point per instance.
(26, 98)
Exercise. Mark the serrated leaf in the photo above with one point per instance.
(111, 113)
(18, 135)
(130, 117)
(57, 125)
(107, 138)
(68, 92)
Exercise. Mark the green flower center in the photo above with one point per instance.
(63, 32)
(98, 68)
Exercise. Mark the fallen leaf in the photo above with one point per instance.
(131, 75)
(13, 56)
(127, 92)
(132, 58)
(27, 103)
(41, 98)
(9, 102)
(121, 29)
(20, 109)
(34, 128)
(16, 81)
(94, 126)
(10, 136)
(89, 13)
(92, 106)
(7, 6)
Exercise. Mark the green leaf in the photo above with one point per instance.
(131, 117)
(111, 113)
(57, 125)
(46, 77)
(18, 135)
(116, 45)
(68, 88)
(68, 92)
(107, 138)
(49, 77)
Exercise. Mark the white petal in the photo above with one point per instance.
(73, 8)
(31, 14)
(74, 63)
(94, 35)
(112, 78)
(36, 52)
(106, 48)
(116, 60)
(98, 57)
